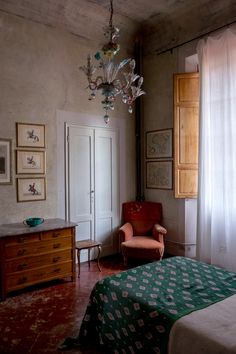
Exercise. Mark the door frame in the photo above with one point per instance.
(65, 118)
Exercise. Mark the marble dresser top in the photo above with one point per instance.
(20, 228)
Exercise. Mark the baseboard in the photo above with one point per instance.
(180, 249)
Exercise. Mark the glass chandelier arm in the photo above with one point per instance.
(90, 69)
(93, 85)
(136, 92)
(130, 91)
(118, 87)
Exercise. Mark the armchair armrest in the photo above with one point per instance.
(125, 232)
(158, 232)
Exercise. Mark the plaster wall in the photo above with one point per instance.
(179, 214)
(39, 76)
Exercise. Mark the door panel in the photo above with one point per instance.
(104, 232)
(81, 180)
(106, 187)
(103, 176)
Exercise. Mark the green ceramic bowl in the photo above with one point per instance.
(33, 221)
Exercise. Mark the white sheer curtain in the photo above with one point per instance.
(216, 226)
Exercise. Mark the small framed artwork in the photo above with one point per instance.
(159, 144)
(31, 189)
(30, 161)
(5, 161)
(30, 135)
(159, 174)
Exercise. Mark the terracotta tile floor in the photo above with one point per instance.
(39, 319)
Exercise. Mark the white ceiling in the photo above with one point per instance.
(162, 23)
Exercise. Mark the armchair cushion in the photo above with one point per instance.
(145, 247)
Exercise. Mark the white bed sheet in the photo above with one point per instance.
(208, 331)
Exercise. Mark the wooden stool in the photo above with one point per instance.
(87, 244)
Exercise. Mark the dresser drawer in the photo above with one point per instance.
(25, 263)
(48, 235)
(26, 278)
(37, 248)
(22, 239)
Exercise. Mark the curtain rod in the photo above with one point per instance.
(193, 39)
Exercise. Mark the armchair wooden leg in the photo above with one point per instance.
(125, 261)
(161, 250)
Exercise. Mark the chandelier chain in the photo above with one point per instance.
(111, 14)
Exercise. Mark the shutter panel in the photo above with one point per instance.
(186, 130)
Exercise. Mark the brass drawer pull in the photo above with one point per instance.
(56, 259)
(22, 280)
(57, 270)
(21, 252)
(40, 275)
(55, 234)
(57, 245)
(40, 248)
(22, 266)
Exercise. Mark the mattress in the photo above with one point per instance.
(208, 331)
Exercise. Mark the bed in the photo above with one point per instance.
(176, 306)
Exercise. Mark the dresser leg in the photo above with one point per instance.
(3, 297)
(78, 258)
(98, 258)
(89, 257)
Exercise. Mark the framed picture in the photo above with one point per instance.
(31, 189)
(30, 135)
(30, 161)
(159, 174)
(5, 161)
(159, 144)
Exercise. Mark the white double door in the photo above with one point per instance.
(93, 192)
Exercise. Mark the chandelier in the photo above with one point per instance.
(113, 79)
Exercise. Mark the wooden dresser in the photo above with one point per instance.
(32, 255)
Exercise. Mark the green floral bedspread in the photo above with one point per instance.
(133, 311)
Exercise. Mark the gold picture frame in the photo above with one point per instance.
(30, 161)
(31, 189)
(5, 161)
(30, 135)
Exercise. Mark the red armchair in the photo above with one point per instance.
(141, 236)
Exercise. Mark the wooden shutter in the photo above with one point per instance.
(186, 126)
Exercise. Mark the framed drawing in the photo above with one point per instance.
(31, 189)
(30, 161)
(5, 161)
(30, 135)
(159, 144)
(159, 174)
